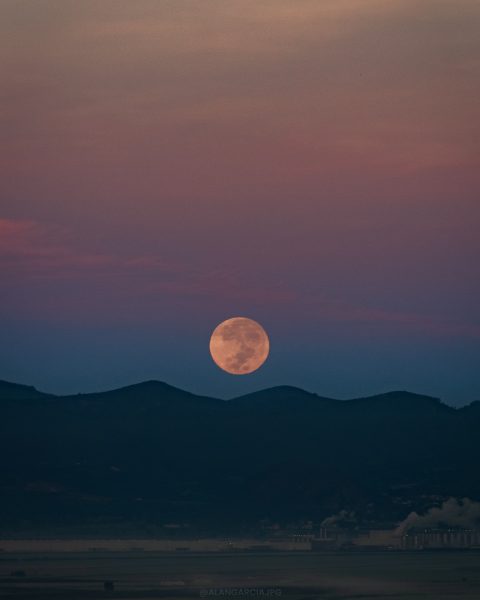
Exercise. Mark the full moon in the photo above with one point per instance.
(239, 345)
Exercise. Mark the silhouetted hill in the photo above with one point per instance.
(281, 398)
(16, 391)
(402, 400)
(472, 409)
(149, 395)
(156, 391)
(149, 454)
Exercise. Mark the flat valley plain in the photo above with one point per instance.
(300, 575)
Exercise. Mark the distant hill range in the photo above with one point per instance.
(150, 457)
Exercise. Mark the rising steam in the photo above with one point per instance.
(463, 513)
(343, 519)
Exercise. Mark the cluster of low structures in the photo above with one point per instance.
(414, 539)
(318, 540)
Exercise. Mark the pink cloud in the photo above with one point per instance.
(132, 287)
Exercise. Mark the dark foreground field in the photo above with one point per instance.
(136, 575)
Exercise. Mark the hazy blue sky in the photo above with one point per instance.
(312, 164)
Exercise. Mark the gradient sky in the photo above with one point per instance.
(311, 164)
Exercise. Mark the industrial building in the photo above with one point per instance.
(438, 539)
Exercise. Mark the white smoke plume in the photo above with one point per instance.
(341, 519)
(453, 512)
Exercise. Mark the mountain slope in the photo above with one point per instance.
(149, 454)
(16, 391)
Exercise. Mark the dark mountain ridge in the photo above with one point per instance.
(155, 390)
(148, 454)
(17, 391)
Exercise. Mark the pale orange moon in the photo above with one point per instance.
(239, 345)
